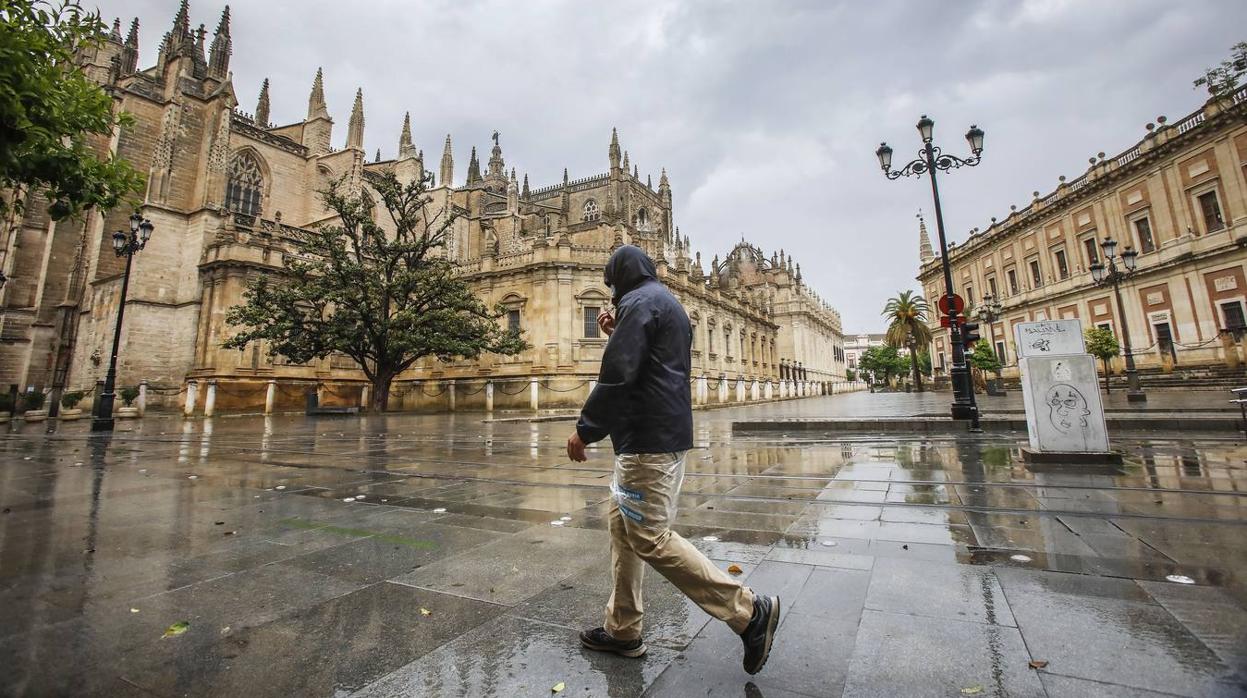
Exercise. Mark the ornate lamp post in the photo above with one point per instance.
(930, 159)
(1112, 275)
(989, 312)
(125, 245)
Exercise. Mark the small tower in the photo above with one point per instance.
(474, 168)
(222, 47)
(355, 127)
(925, 253)
(262, 106)
(130, 51)
(318, 127)
(613, 151)
(405, 147)
(446, 175)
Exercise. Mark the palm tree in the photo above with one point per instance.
(907, 315)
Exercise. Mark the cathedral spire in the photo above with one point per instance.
(355, 127)
(497, 166)
(261, 106)
(378, 156)
(316, 108)
(130, 52)
(524, 190)
(613, 151)
(625, 161)
(201, 60)
(474, 168)
(405, 147)
(115, 34)
(925, 253)
(447, 174)
(222, 47)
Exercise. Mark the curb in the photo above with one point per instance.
(946, 425)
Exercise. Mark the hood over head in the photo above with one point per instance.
(627, 268)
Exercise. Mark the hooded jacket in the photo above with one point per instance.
(642, 399)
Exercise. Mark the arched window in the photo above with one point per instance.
(591, 211)
(244, 191)
(642, 219)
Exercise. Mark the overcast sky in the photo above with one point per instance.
(765, 114)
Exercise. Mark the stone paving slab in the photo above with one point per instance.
(906, 565)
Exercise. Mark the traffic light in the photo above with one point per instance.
(970, 335)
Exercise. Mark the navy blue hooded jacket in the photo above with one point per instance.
(642, 398)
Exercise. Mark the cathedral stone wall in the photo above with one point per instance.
(230, 196)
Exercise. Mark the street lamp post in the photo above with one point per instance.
(125, 245)
(988, 313)
(930, 159)
(1109, 274)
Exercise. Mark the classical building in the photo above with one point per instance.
(231, 194)
(1178, 197)
(856, 345)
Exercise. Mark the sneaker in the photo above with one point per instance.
(760, 632)
(600, 640)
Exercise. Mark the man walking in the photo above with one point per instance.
(642, 402)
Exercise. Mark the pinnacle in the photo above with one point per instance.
(223, 26)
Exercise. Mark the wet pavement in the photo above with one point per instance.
(440, 555)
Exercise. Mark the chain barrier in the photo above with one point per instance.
(466, 393)
(578, 386)
(428, 394)
(522, 389)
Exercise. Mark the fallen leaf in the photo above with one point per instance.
(177, 628)
(735, 569)
(220, 523)
(230, 533)
(972, 690)
(558, 687)
(134, 610)
(425, 611)
(1038, 664)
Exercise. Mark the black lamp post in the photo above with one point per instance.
(125, 245)
(988, 313)
(1112, 275)
(930, 159)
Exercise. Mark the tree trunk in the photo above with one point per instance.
(913, 364)
(381, 391)
(1107, 389)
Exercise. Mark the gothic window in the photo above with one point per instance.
(642, 219)
(591, 211)
(244, 191)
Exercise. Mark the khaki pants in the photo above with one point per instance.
(645, 488)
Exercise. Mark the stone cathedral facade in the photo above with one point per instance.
(231, 194)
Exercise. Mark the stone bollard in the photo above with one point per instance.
(210, 398)
(769, 391)
(450, 392)
(722, 389)
(270, 396)
(753, 391)
(141, 403)
(489, 396)
(534, 388)
(703, 390)
(192, 393)
(363, 397)
(740, 390)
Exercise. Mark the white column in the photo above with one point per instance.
(210, 398)
(450, 389)
(141, 403)
(722, 390)
(489, 396)
(270, 396)
(753, 391)
(703, 390)
(363, 396)
(740, 389)
(192, 392)
(769, 391)
(534, 388)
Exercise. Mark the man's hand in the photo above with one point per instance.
(606, 322)
(576, 448)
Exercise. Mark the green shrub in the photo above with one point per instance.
(34, 400)
(71, 399)
(129, 394)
